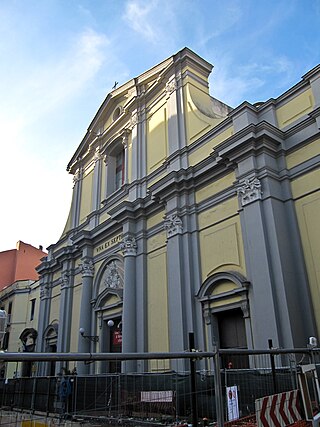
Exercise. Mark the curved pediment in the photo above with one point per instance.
(109, 298)
(222, 284)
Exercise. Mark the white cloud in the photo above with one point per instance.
(138, 16)
(49, 85)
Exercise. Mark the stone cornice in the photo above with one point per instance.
(251, 138)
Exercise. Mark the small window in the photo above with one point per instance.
(33, 306)
(116, 173)
(116, 113)
(119, 169)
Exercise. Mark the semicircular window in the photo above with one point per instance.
(113, 275)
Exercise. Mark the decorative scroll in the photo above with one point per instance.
(129, 246)
(173, 225)
(171, 86)
(250, 190)
(87, 268)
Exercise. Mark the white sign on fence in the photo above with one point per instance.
(156, 396)
(232, 402)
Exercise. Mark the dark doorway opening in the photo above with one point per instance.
(232, 334)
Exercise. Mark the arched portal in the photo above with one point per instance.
(28, 339)
(108, 309)
(51, 339)
(226, 314)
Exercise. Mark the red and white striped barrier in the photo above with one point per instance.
(278, 410)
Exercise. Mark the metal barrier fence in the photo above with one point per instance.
(198, 388)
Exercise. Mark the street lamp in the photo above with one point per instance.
(93, 338)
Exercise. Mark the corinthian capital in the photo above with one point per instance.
(97, 155)
(173, 225)
(129, 246)
(249, 190)
(87, 268)
(64, 280)
(77, 176)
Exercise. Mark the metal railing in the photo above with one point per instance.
(167, 388)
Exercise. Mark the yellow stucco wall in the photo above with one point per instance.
(110, 119)
(198, 110)
(157, 137)
(155, 219)
(205, 150)
(295, 108)
(86, 195)
(215, 187)
(305, 153)
(308, 208)
(55, 304)
(221, 244)
(156, 179)
(75, 320)
(157, 294)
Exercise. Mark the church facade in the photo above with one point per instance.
(188, 216)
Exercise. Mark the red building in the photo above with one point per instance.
(19, 264)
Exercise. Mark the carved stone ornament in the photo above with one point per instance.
(77, 176)
(207, 315)
(87, 268)
(97, 155)
(249, 190)
(173, 225)
(113, 277)
(64, 280)
(133, 119)
(245, 309)
(44, 291)
(125, 138)
(171, 86)
(129, 246)
(106, 159)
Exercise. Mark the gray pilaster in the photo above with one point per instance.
(135, 146)
(141, 295)
(125, 137)
(44, 316)
(129, 322)
(262, 304)
(176, 122)
(76, 198)
(96, 190)
(84, 344)
(175, 277)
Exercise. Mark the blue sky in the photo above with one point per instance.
(59, 59)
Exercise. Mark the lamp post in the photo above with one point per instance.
(93, 338)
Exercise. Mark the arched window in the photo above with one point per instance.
(115, 163)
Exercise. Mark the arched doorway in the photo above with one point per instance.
(28, 339)
(225, 307)
(51, 339)
(108, 309)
